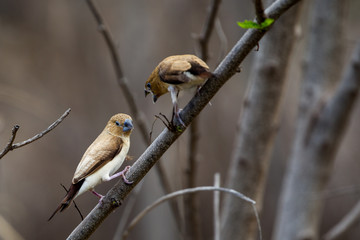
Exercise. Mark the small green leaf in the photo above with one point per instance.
(251, 24)
(248, 24)
(266, 23)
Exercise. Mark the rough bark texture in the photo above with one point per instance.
(257, 127)
(320, 126)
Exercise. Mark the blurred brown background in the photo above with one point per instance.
(52, 57)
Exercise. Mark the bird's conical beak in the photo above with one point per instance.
(128, 125)
(146, 92)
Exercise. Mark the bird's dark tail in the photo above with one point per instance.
(65, 203)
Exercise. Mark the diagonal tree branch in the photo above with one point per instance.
(10, 146)
(160, 145)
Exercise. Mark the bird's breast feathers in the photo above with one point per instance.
(105, 151)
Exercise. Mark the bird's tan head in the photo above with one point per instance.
(155, 86)
(120, 125)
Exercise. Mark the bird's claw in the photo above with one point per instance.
(123, 172)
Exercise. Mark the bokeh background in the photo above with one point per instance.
(52, 57)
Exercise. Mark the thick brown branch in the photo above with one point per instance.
(10, 146)
(160, 145)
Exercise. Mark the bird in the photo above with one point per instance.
(101, 160)
(176, 73)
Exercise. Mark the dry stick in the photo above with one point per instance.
(161, 144)
(346, 223)
(137, 115)
(127, 211)
(187, 191)
(223, 40)
(207, 29)
(192, 215)
(10, 146)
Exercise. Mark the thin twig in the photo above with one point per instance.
(76, 206)
(223, 40)
(137, 115)
(208, 29)
(217, 207)
(259, 10)
(125, 215)
(346, 223)
(10, 146)
(183, 192)
(121, 80)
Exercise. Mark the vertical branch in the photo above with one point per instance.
(320, 125)
(192, 216)
(257, 125)
(259, 11)
(137, 115)
(217, 208)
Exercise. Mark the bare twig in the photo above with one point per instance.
(10, 146)
(346, 223)
(183, 192)
(259, 10)
(76, 206)
(122, 81)
(207, 29)
(137, 115)
(130, 203)
(223, 40)
(161, 144)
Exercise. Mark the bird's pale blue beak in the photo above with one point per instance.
(128, 125)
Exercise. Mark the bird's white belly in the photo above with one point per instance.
(105, 172)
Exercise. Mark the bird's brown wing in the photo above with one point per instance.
(172, 72)
(99, 153)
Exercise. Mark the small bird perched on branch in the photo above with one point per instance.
(101, 160)
(175, 73)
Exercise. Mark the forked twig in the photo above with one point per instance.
(10, 146)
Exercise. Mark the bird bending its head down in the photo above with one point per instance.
(175, 73)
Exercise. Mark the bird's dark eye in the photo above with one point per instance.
(148, 85)
(117, 123)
